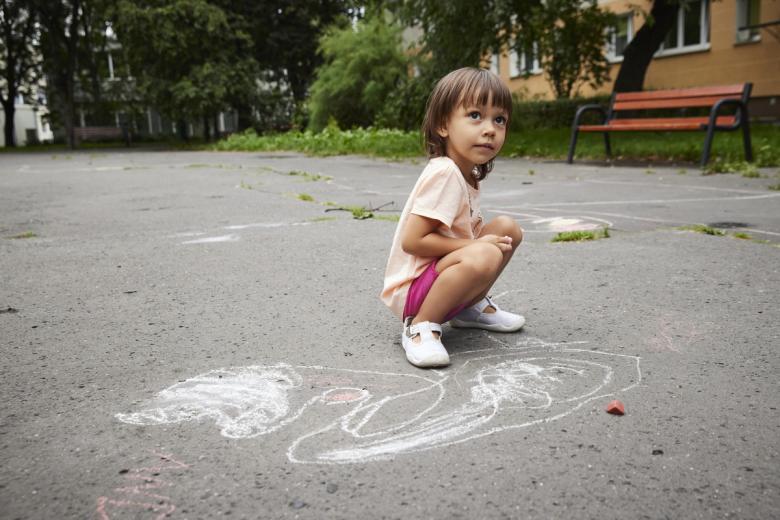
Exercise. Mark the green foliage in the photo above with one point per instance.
(188, 57)
(550, 143)
(26, 234)
(570, 37)
(558, 113)
(706, 230)
(362, 67)
(331, 141)
(744, 168)
(580, 236)
(456, 33)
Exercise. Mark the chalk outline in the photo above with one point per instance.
(393, 440)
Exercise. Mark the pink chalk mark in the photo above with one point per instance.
(343, 397)
(162, 508)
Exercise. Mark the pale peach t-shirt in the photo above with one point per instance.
(442, 194)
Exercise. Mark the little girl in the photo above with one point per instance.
(444, 258)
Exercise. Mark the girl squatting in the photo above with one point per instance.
(445, 258)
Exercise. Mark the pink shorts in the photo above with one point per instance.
(419, 290)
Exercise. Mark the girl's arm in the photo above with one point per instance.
(420, 238)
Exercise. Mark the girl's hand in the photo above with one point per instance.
(503, 243)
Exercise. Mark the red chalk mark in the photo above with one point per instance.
(616, 408)
(160, 508)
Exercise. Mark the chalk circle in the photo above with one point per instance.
(357, 416)
(344, 395)
(557, 224)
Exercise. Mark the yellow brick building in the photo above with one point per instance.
(706, 47)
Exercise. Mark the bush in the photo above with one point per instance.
(362, 67)
(558, 113)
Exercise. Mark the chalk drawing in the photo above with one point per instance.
(532, 223)
(210, 240)
(354, 416)
(267, 225)
(141, 498)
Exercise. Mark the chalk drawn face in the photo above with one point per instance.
(352, 416)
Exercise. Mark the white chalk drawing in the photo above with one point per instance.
(338, 416)
(211, 240)
(532, 223)
(266, 225)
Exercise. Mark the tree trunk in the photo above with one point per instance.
(206, 133)
(639, 52)
(10, 110)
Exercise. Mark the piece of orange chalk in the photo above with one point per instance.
(616, 407)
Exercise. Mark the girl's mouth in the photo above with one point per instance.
(487, 146)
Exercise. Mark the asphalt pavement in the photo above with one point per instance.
(199, 335)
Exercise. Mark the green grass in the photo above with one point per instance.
(309, 177)
(775, 187)
(700, 228)
(26, 234)
(305, 197)
(741, 235)
(375, 142)
(580, 236)
(543, 143)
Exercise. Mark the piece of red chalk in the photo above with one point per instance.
(616, 408)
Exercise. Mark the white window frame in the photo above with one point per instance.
(704, 31)
(495, 64)
(518, 65)
(746, 36)
(612, 43)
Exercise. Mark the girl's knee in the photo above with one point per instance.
(507, 226)
(483, 259)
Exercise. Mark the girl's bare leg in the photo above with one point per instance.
(463, 275)
(501, 226)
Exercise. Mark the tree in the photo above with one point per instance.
(639, 52)
(285, 36)
(18, 57)
(189, 57)
(569, 38)
(60, 39)
(568, 35)
(362, 67)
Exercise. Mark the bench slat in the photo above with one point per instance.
(720, 91)
(705, 101)
(656, 125)
(721, 121)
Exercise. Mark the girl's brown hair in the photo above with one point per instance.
(462, 87)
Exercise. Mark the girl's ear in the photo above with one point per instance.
(443, 132)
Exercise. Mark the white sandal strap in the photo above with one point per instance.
(425, 329)
(484, 303)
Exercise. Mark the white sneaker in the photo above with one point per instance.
(429, 352)
(499, 321)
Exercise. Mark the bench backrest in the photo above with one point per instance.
(679, 98)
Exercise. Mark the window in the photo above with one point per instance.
(619, 36)
(494, 67)
(748, 13)
(523, 63)
(690, 31)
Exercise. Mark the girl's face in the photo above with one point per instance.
(474, 135)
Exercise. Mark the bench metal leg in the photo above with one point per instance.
(572, 144)
(746, 142)
(705, 154)
(607, 145)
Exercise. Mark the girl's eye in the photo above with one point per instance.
(474, 115)
(501, 120)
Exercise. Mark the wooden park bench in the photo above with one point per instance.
(100, 133)
(714, 98)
